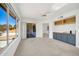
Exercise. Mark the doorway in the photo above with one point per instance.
(46, 30)
(31, 30)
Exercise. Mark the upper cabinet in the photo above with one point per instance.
(58, 22)
(70, 20)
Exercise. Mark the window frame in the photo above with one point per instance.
(9, 14)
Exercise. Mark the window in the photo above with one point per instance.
(12, 28)
(3, 28)
(7, 26)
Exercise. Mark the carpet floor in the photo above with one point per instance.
(45, 47)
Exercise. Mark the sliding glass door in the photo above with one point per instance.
(7, 26)
(12, 28)
(3, 28)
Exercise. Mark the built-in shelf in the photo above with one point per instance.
(59, 22)
(70, 20)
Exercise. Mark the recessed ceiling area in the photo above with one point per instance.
(37, 10)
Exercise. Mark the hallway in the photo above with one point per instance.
(45, 47)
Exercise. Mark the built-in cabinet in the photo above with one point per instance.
(72, 39)
(70, 20)
(65, 37)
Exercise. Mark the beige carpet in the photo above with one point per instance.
(45, 47)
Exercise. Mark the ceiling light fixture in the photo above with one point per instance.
(58, 6)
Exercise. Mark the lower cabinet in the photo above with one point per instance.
(59, 36)
(68, 38)
(72, 39)
(54, 36)
(65, 38)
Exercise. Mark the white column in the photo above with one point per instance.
(39, 30)
(77, 30)
(51, 30)
(24, 30)
(19, 29)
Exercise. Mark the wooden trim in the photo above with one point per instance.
(3, 6)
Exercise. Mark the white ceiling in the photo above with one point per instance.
(36, 10)
(33, 10)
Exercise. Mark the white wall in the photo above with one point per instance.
(51, 29)
(39, 30)
(77, 30)
(29, 20)
(45, 28)
(67, 27)
(10, 50)
(24, 30)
